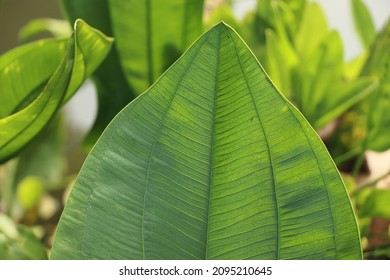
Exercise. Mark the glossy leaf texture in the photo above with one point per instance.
(147, 42)
(211, 162)
(33, 87)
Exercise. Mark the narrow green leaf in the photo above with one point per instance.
(32, 102)
(56, 27)
(212, 162)
(353, 68)
(147, 42)
(315, 76)
(343, 96)
(113, 91)
(364, 23)
(376, 110)
(276, 66)
(366, 127)
(313, 28)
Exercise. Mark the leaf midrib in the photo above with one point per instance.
(178, 84)
(212, 140)
(268, 147)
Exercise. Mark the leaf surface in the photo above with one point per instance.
(30, 100)
(212, 162)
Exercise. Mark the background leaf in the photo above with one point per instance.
(364, 24)
(312, 29)
(147, 42)
(377, 204)
(56, 27)
(113, 91)
(201, 167)
(18, 243)
(20, 125)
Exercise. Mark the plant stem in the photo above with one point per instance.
(370, 183)
(346, 156)
(372, 249)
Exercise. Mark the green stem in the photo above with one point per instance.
(359, 162)
(372, 249)
(346, 156)
(369, 126)
(370, 183)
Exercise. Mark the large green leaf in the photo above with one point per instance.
(212, 162)
(29, 96)
(152, 34)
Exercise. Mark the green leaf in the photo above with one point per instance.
(364, 23)
(378, 117)
(56, 27)
(375, 109)
(366, 126)
(212, 162)
(113, 91)
(276, 65)
(377, 204)
(315, 74)
(32, 102)
(21, 78)
(353, 68)
(152, 34)
(313, 28)
(18, 242)
(44, 156)
(341, 97)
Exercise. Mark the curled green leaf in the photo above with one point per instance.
(32, 93)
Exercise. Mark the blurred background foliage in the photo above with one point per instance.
(347, 102)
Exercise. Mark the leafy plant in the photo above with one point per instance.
(207, 172)
(211, 161)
